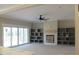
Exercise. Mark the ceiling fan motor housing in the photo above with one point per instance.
(41, 17)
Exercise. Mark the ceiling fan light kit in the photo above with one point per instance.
(42, 18)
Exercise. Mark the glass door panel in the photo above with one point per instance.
(20, 35)
(14, 36)
(7, 36)
(26, 35)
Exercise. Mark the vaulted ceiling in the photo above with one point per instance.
(31, 12)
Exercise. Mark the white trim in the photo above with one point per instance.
(55, 39)
(12, 25)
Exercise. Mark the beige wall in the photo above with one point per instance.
(66, 23)
(37, 25)
(15, 22)
(7, 22)
(50, 27)
(1, 35)
(76, 30)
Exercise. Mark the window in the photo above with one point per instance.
(14, 36)
(20, 35)
(26, 35)
(7, 36)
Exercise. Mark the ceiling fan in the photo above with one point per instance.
(42, 18)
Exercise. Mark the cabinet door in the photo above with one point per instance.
(7, 36)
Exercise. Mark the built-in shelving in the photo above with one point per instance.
(36, 35)
(66, 36)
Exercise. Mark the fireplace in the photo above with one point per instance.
(50, 39)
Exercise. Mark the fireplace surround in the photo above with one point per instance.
(50, 39)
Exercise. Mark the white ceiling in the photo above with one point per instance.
(50, 11)
(4, 6)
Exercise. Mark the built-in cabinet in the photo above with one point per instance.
(66, 36)
(36, 35)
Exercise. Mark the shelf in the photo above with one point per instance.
(31, 41)
(65, 42)
(66, 36)
(36, 35)
(59, 42)
(38, 30)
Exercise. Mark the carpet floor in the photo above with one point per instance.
(41, 49)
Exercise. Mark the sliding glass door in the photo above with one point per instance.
(14, 36)
(7, 36)
(20, 35)
(26, 35)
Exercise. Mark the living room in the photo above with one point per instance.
(47, 29)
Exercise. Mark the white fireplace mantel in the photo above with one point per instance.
(55, 39)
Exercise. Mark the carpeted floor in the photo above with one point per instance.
(41, 49)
